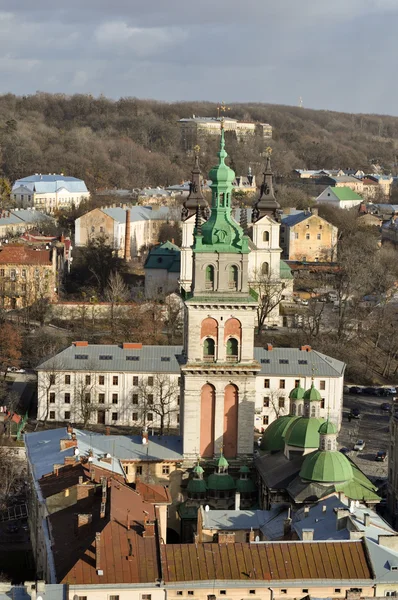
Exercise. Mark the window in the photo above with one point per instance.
(138, 470)
(178, 418)
(179, 381)
(105, 357)
(165, 359)
(52, 397)
(266, 236)
(87, 398)
(82, 598)
(2, 272)
(303, 362)
(322, 402)
(114, 416)
(318, 236)
(190, 593)
(266, 383)
(284, 591)
(24, 273)
(305, 590)
(135, 416)
(135, 398)
(283, 361)
(150, 398)
(67, 379)
(307, 236)
(233, 278)
(179, 593)
(322, 385)
(146, 596)
(101, 379)
(52, 379)
(12, 273)
(150, 416)
(52, 414)
(165, 470)
(297, 383)
(132, 358)
(67, 398)
(265, 419)
(296, 236)
(115, 380)
(232, 349)
(281, 402)
(114, 399)
(114, 597)
(101, 229)
(252, 591)
(266, 401)
(92, 229)
(209, 277)
(265, 268)
(209, 348)
(337, 590)
(223, 592)
(265, 361)
(67, 415)
(88, 379)
(135, 380)
(282, 384)
(101, 398)
(178, 400)
(150, 380)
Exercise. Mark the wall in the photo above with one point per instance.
(312, 249)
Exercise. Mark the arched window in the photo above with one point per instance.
(265, 268)
(208, 349)
(266, 236)
(313, 411)
(329, 444)
(232, 349)
(233, 278)
(294, 409)
(300, 410)
(209, 278)
(222, 199)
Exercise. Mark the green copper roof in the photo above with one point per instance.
(303, 432)
(245, 486)
(196, 486)
(326, 466)
(327, 428)
(221, 233)
(222, 462)
(274, 436)
(297, 393)
(312, 394)
(345, 193)
(165, 256)
(187, 512)
(220, 481)
(244, 469)
(284, 270)
(198, 470)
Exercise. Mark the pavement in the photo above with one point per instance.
(372, 427)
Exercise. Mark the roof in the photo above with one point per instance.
(18, 216)
(137, 213)
(312, 394)
(220, 481)
(299, 362)
(126, 556)
(236, 520)
(297, 393)
(50, 183)
(303, 433)
(327, 428)
(277, 471)
(274, 436)
(164, 256)
(344, 193)
(284, 270)
(147, 359)
(153, 493)
(382, 560)
(23, 255)
(326, 466)
(53, 591)
(266, 561)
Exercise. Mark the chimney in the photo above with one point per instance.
(98, 554)
(145, 435)
(324, 507)
(314, 210)
(127, 241)
(237, 500)
(82, 520)
(366, 519)
(64, 444)
(56, 469)
(341, 518)
(357, 535)
(305, 348)
(69, 428)
(251, 535)
(287, 527)
(132, 346)
(308, 535)
(306, 511)
(107, 431)
(226, 538)
(79, 344)
(269, 347)
(149, 527)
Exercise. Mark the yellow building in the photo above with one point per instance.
(305, 236)
(195, 129)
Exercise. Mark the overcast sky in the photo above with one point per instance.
(336, 54)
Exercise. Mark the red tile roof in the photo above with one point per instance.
(267, 561)
(156, 494)
(21, 255)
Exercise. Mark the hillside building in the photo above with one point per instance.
(306, 237)
(49, 193)
(340, 197)
(162, 270)
(19, 220)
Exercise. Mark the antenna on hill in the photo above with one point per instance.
(300, 102)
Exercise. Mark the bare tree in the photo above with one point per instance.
(115, 293)
(277, 401)
(270, 292)
(158, 394)
(84, 396)
(49, 383)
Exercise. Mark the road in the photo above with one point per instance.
(372, 427)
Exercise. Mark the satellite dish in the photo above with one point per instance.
(144, 441)
(39, 598)
(207, 508)
(257, 538)
(77, 451)
(108, 455)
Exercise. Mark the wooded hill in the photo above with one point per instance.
(134, 143)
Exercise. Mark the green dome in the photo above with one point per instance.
(274, 436)
(244, 469)
(198, 470)
(312, 394)
(245, 486)
(196, 486)
(325, 466)
(297, 393)
(221, 173)
(304, 432)
(327, 428)
(222, 462)
(220, 481)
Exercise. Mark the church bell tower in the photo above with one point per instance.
(219, 369)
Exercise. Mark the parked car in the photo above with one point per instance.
(12, 528)
(385, 406)
(369, 391)
(344, 450)
(355, 413)
(381, 456)
(346, 389)
(359, 445)
(259, 440)
(355, 390)
(391, 390)
(15, 370)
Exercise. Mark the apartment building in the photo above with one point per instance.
(19, 220)
(305, 236)
(195, 129)
(49, 193)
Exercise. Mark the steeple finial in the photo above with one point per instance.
(198, 221)
(243, 220)
(195, 197)
(266, 204)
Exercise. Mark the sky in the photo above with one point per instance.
(335, 54)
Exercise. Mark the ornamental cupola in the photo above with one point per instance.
(312, 402)
(267, 203)
(195, 197)
(296, 398)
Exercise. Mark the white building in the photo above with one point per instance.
(340, 197)
(49, 193)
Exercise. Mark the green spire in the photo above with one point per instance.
(221, 233)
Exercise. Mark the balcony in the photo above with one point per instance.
(209, 358)
(209, 285)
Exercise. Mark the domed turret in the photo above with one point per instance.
(303, 434)
(245, 485)
(220, 480)
(274, 436)
(313, 395)
(296, 397)
(312, 402)
(197, 485)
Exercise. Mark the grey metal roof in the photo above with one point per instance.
(300, 363)
(53, 591)
(137, 213)
(269, 522)
(20, 215)
(382, 560)
(148, 359)
(50, 183)
(43, 449)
